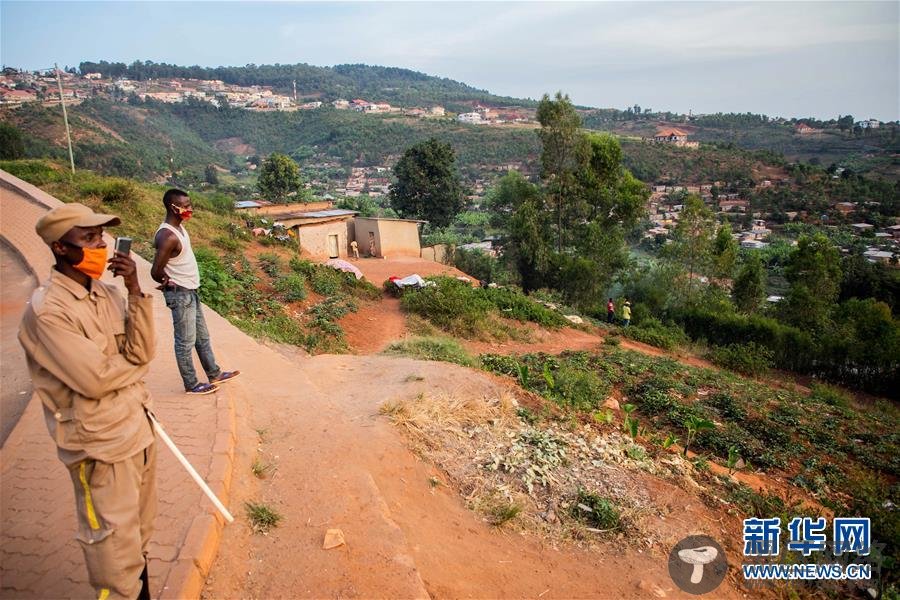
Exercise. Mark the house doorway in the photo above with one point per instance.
(333, 246)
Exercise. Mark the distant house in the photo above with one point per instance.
(804, 129)
(878, 256)
(16, 97)
(385, 238)
(753, 244)
(436, 111)
(845, 208)
(861, 227)
(673, 136)
(471, 117)
(341, 104)
(733, 205)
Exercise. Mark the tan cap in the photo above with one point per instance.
(57, 223)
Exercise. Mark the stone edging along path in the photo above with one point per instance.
(38, 556)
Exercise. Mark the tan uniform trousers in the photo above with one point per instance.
(116, 504)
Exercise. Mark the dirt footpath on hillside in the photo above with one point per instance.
(339, 464)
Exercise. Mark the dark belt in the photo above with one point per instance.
(172, 287)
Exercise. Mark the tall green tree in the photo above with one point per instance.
(724, 253)
(693, 238)
(428, 185)
(517, 207)
(814, 272)
(564, 151)
(279, 177)
(749, 288)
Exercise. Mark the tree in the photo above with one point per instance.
(517, 207)
(212, 175)
(725, 252)
(693, 237)
(814, 272)
(428, 184)
(279, 177)
(11, 144)
(750, 285)
(564, 152)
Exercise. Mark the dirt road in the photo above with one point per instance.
(339, 464)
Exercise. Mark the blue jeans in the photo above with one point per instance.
(190, 332)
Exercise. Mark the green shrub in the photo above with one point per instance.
(596, 511)
(36, 172)
(432, 348)
(654, 332)
(391, 289)
(727, 406)
(301, 266)
(579, 389)
(326, 281)
(292, 287)
(270, 263)
(229, 244)
(112, 190)
(749, 358)
(516, 305)
(451, 305)
(829, 395)
(500, 363)
(217, 289)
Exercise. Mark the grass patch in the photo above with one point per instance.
(261, 517)
(749, 359)
(500, 512)
(656, 333)
(432, 348)
(261, 469)
(461, 310)
(596, 511)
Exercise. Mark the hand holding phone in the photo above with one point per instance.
(122, 265)
(123, 245)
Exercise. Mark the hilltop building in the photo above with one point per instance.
(675, 137)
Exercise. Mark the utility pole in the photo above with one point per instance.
(62, 102)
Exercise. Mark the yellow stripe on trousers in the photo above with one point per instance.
(104, 594)
(89, 504)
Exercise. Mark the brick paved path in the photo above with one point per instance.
(39, 557)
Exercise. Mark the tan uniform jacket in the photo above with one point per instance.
(87, 356)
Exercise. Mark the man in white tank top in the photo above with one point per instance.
(175, 268)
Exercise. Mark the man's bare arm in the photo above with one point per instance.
(167, 246)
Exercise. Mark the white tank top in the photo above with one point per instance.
(182, 269)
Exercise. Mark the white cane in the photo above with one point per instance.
(191, 471)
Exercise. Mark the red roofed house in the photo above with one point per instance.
(16, 97)
(677, 137)
(803, 129)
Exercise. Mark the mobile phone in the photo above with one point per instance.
(123, 245)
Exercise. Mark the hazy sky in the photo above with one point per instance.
(791, 59)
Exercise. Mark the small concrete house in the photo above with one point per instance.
(387, 238)
(322, 233)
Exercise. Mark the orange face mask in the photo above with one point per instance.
(93, 263)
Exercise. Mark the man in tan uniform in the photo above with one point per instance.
(87, 352)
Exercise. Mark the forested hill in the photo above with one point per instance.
(389, 84)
